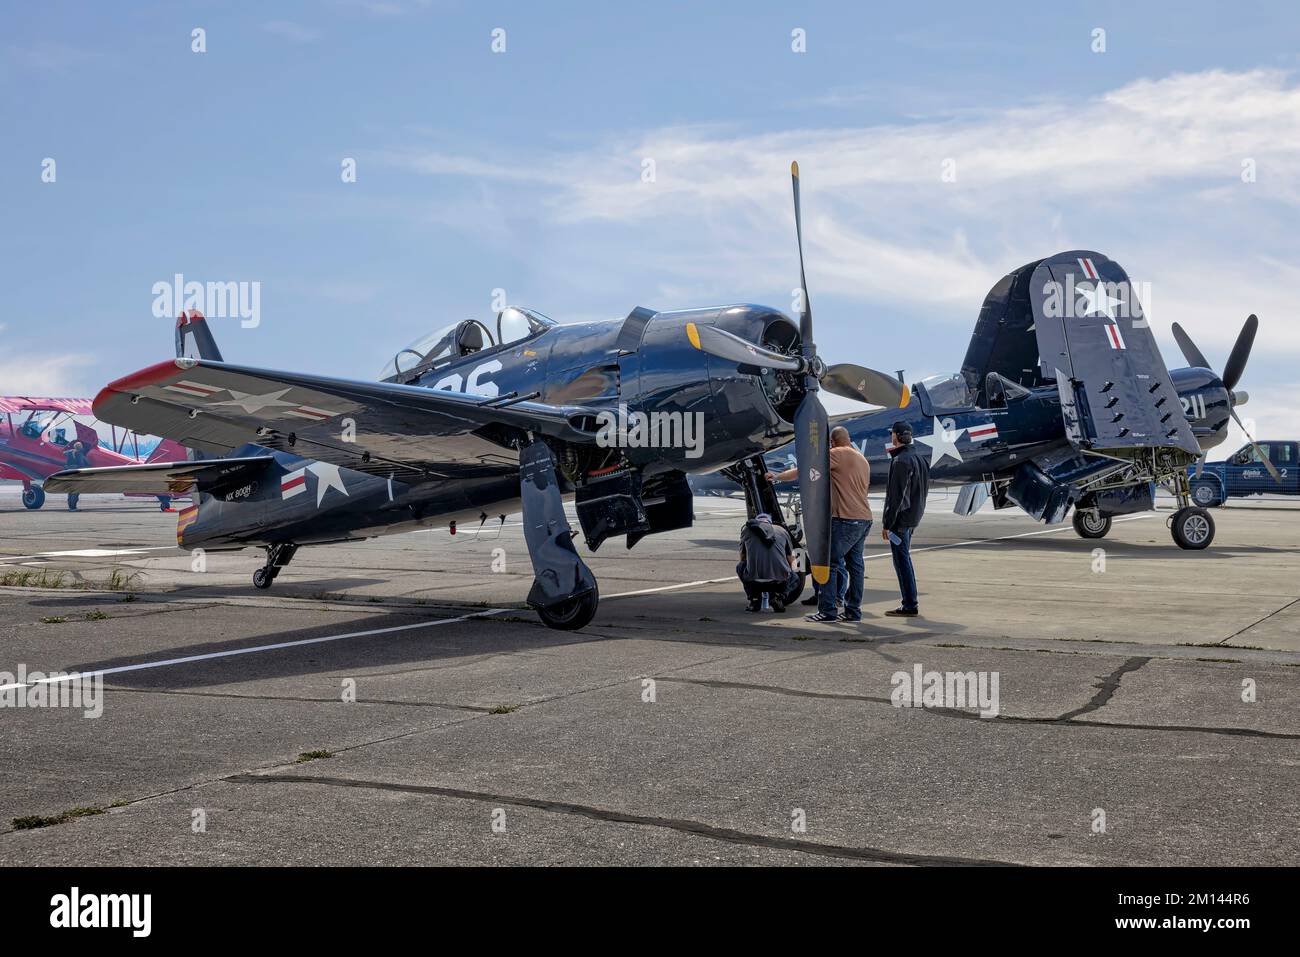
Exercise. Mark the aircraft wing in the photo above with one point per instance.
(375, 427)
(27, 403)
(1095, 341)
(177, 478)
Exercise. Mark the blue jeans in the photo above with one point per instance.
(847, 536)
(903, 567)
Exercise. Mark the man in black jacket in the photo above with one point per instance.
(766, 560)
(909, 483)
(75, 458)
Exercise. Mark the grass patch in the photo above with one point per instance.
(122, 579)
(54, 619)
(34, 578)
(306, 756)
(33, 821)
(504, 709)
(803, 637)
(95, 616)
(129, 596)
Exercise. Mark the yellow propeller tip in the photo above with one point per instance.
(693, 334)
(907, 397)
(794, 171)
(821, 574)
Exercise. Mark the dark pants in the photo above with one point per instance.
(847, 536)
(72, 499)
(755, 589)
(903, 567)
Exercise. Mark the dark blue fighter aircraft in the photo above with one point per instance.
(1063, 402)
(472, 423)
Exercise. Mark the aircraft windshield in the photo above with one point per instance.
(946, 391)
(463, 338)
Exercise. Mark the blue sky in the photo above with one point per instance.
(522, 171)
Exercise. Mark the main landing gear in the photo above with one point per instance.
(564, 592)
(33, 496)
(1191, 525)
(277, 556)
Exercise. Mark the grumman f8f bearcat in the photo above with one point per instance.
(1064, 402)
(474, 422)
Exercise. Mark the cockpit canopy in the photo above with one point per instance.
(470, 336)
(944, 393)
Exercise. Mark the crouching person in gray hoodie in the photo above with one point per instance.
(766, 563)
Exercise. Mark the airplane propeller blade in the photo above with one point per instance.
(725, 345)
(805, 314)
(812, 451)
(1259, 453)
(1240, 352)
(865, 385)
(1193, 355)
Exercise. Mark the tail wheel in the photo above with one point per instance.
(264, 577)
(1192, 527)
(33, 497)
(573, 614)
(1205, 493)
(1091, 523)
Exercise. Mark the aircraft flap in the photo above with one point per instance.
(162, 478)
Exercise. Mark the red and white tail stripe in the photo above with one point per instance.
(1114, 336)
(1088, 268)
(293, 483)
(982, 433)
(195, 390)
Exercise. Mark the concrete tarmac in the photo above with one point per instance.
(392, 702)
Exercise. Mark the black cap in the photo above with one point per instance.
(902, 429)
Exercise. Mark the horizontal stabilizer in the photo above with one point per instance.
(162, 478)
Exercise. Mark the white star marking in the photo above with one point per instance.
(327, 477)
(1100, 301)
(256, 403)
(942, 442)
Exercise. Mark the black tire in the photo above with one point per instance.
(795, 593)
(1206, 493)
(33, 497)
(1090, 523)
(1193, 528)
(573, 614)
(263, 578)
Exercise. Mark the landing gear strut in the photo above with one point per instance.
(1191, 526)
(277, 556)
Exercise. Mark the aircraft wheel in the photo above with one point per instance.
(1205, 493)
(1091, 523)
(164, 503)
(263, 578)
(796, 592)
(573, 614)
(33, 497)
(1193, 527)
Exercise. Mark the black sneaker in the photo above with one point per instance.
(903, 613)
(755, 604)
(846, 617)
(778, 605)
(820, 617)
(810, 600)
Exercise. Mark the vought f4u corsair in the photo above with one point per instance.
(1063, 402)
(473, 423)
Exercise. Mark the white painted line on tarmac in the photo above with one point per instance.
(88, 553)
(255, 649)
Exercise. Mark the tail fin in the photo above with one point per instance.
(194, 338)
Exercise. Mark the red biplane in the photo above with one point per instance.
(37, 431)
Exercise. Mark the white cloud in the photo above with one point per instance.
(48, 375)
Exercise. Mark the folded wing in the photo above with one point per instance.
(178, 478)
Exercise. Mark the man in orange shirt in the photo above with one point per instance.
(850, 525)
